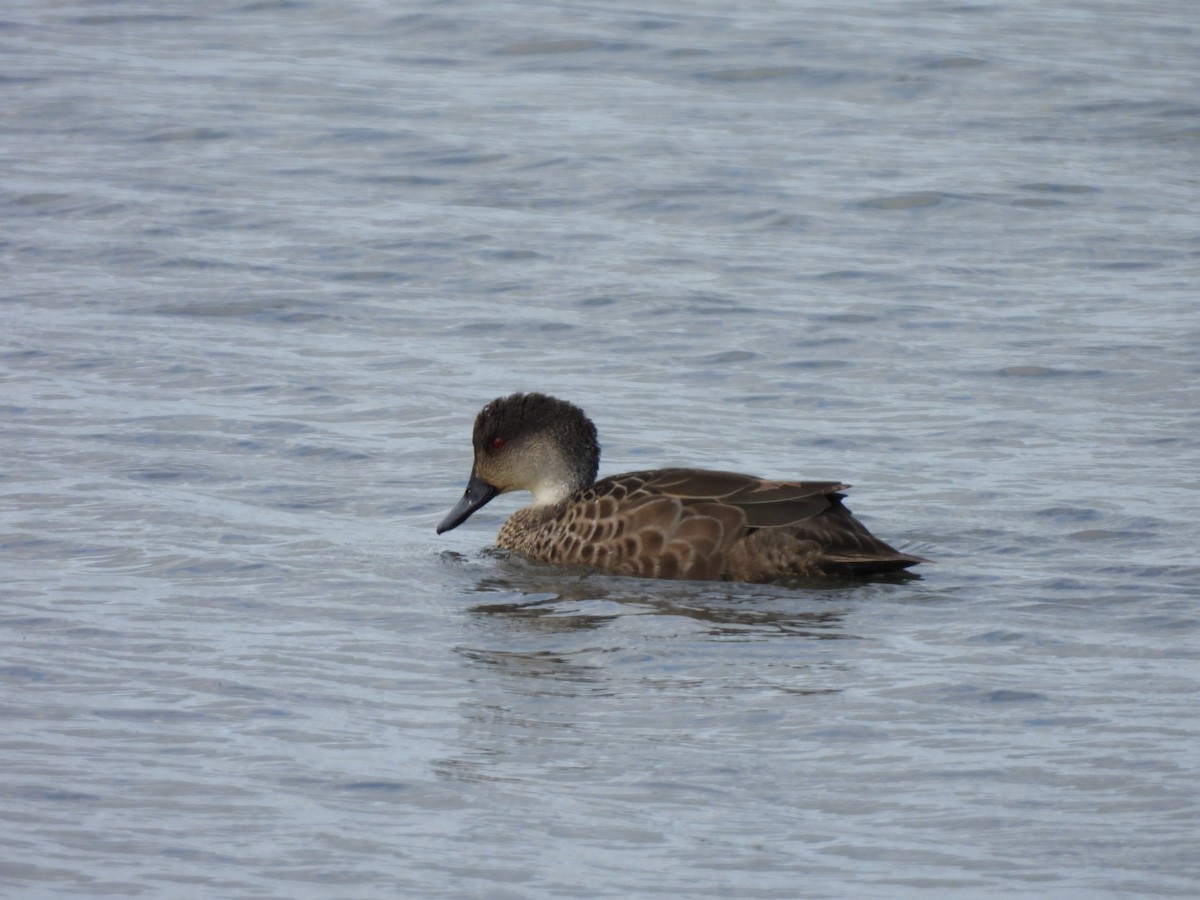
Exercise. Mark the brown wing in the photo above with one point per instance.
(791, 527)
(704, 525)
(766, 504)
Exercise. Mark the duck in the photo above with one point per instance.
(672, 523)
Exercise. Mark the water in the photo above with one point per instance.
(262, 264)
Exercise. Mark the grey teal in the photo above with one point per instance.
(690, 524)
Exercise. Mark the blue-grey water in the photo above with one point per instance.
(261, 263)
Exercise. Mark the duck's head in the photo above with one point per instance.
(528, 442)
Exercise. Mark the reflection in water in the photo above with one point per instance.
(562, 657)
(562, 599)
(534, 664)
(558, 657)
(562, 628)
(726, 615)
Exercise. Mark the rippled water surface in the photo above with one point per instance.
(263, 262)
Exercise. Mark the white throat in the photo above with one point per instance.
(545, 471)
(550, 491)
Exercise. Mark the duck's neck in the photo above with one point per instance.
(561, 471)
(552, 491)
(558, 482)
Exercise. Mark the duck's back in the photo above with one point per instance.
(703, 525)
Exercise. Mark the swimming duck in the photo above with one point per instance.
(690, 524)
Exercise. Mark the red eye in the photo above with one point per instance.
(498, 443)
